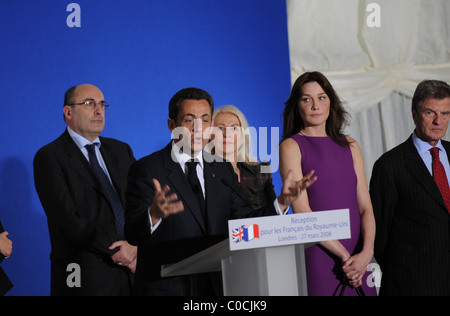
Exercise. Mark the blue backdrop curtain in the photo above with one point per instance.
(139, 53)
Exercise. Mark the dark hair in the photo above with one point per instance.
(68, 97)
(188, 94)
(337, 119)
(429, 89)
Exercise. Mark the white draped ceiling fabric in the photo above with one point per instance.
(375, 70)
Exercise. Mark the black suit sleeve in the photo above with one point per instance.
(5, 283)
(384, 197)
(269, 189)
(269, 192)
(1, 231)
(240, 208)
(58, 203)
(139, 197)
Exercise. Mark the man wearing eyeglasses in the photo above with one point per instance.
(81, 179)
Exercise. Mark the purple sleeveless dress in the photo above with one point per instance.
(334, 189)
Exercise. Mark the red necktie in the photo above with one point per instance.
(440, 176)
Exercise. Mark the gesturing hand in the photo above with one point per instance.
(5, 245)
(292, 190)
(164, 204)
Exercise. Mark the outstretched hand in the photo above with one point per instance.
(292, 190)
(164, 204)
(5, 245)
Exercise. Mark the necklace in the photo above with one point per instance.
(303, 133)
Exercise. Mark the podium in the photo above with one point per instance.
(265, 256)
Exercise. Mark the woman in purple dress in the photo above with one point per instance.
(313, 140)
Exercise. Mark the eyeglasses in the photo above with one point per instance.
(91, 104)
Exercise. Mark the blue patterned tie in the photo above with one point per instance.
(112, 194)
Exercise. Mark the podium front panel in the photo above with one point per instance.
(272, 271)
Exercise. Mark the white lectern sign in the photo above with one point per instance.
(271, 231)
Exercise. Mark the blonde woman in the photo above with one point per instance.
(234, 145)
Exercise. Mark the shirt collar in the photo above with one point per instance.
(80, 141)
(181, 157)
(424, 147)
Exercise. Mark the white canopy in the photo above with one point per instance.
(375, 70)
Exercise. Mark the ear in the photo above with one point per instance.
(67, 112)
(415, 116)
(171, 124)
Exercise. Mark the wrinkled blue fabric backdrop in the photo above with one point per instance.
(139, 52)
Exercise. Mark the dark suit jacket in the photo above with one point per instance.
(256, 188)
(412, 242)
(80, 218)
(183, 234)
(5, 283)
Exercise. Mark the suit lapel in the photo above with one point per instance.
(178, 182)
(211, 186)
(80, 163)
(113, 165)
(419, 171)
(447, 148)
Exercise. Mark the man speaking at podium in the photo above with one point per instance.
(179, 201)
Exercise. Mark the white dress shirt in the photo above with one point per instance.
(181, 158)
(81, 142)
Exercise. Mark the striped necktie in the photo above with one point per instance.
(440, 177)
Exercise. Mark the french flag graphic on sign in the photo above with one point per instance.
(246, 233)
